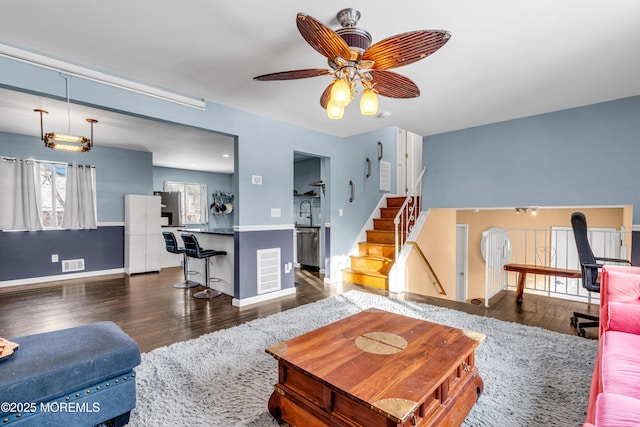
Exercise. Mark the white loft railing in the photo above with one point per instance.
(496, 251)
(554, 247)
(408, 213)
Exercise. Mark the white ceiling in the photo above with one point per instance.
(505, 60)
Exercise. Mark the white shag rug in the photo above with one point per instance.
(532, 377)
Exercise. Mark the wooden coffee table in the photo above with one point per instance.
(376, 369)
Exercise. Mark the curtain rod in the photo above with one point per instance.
(15, 159)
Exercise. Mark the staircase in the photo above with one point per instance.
(377, 254)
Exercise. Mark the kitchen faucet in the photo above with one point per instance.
(310, 212)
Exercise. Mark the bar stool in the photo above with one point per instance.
(171, 244)
(193, 250)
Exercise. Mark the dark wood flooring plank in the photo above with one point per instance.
(154, 314)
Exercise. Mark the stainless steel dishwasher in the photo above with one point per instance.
(308, 243)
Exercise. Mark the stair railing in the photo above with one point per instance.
(437, 284)
(408, 213)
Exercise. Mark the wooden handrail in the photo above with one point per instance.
(426, 261)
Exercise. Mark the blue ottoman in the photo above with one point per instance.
(80, 376)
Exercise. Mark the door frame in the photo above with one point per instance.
(409, 160)
(462, 261)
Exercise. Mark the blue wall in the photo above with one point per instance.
(576, 157)
(26, 254)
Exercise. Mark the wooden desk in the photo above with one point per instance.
(376, 368)
(523, 269)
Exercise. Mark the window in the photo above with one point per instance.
(47, 195)
(193, 201)
(53, 189)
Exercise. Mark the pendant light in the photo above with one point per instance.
(67, 142)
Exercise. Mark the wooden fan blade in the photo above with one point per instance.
(406, 48)
(322, 38)
(326, 95)
(293, 75)
(393, 85)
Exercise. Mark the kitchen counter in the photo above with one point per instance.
(206, 230)
(221, 267)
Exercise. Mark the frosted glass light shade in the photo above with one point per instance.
(341, 93)
(369, 103)
(334, 112)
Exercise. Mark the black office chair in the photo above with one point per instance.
(193, 250)
(171, 244)
(590, 268)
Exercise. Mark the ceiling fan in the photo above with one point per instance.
(352, 59)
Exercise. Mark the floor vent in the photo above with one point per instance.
(72, 265)
(268, 270)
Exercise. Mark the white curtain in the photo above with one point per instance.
(204, 206)
(19, 195)
(80, 199)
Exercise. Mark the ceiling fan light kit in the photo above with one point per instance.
(369, 103)
(353, 59)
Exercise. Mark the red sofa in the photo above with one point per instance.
(614, 399)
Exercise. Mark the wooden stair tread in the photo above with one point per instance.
(373, 257)
(366, 272)
(377, 253)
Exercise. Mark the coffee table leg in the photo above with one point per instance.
(274, 407)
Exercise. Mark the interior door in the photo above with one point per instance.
(462, 242)
(409, 155)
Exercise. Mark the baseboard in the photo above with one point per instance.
(332, 280)
(32, 280)
(264, 297)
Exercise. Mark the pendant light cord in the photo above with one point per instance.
(66, 79)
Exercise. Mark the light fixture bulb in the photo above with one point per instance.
(369, 103)
(67, 138)
(340, 93)
(334, 112)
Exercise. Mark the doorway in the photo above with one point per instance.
(462, 242)
(309, 207)
(409, 155)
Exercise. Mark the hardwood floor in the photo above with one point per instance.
(154, 314)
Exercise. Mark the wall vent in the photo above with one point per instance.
(268, 270)
(385, 176)
(72, 265)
